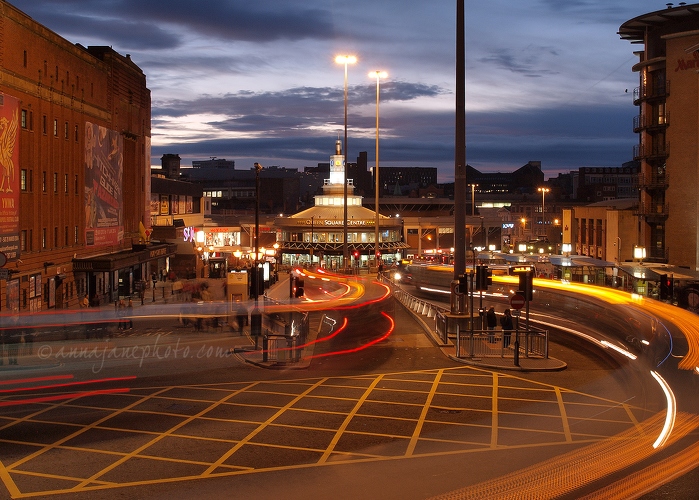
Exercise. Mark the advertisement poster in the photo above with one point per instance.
(104, 169)
(9, 177)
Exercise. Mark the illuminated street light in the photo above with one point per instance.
(345, 59)
(378, 75)
(543, 191)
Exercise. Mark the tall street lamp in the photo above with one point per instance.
(378, 75)
(473, 198)
(543, 191)
(345, 60)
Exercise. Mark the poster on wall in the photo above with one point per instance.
(104, 169)
(9, 177)
(154, 204)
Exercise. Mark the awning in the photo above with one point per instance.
(127, 258)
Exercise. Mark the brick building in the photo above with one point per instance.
(75, 158)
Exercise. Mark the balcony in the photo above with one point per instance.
(649, 92)
(654, 151)
(645, 122)
(653, 181)
(652, 211)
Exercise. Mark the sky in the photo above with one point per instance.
(256, 81)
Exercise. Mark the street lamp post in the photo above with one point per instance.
(378, 75)
(473, 198)
(543, 191)
(256, 316)
(345, 254)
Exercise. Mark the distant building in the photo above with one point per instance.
(392, 179)
(607, 183)
(525, 179)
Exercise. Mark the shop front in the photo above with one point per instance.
(124, 274)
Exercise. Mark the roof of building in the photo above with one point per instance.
(634, 30)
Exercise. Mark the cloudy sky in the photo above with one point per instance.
(256, 81)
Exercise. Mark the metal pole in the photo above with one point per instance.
(345, 253)
(376, 175)
(460, 146)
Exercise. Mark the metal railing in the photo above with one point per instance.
(476, 343)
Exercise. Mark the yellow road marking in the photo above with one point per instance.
(347, 420)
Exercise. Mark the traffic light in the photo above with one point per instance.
(484, 277)
(666, 287)
(463, 284)
(526, 284)
(299, 288)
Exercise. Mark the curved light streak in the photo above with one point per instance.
(671, 411)
(364, 346)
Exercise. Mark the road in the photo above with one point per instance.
(378, 412)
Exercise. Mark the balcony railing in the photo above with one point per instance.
(645, 92)
(641, 151)
(653, 181)
(652, 210)
(643, 121)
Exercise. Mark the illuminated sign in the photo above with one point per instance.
(189, 233)
(521, 269)
(508, 225)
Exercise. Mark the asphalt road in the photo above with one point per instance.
(378, 412)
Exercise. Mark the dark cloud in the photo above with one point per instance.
(143, 24)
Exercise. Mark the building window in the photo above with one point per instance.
(76, 184)
(30, 240)
(65, 131)
(24, 118)
(76, 134)
(65, 183)
(55, 127)
(55, 237)
(44, 125)
(75, 235)
(55, 182)
(23, 179)
(43, 238)
(43, 181)
(23, 240)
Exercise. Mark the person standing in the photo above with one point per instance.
(507, 327)
(491, 321)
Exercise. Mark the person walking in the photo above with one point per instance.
(491, 321)
(507, 327)
(129, 313)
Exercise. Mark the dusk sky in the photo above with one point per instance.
(257, 82)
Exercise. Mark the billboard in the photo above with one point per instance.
(104, 170)
(9, 177)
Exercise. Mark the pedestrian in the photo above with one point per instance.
(129, 313)
(507, 327)
(491, 321)
(11, 337)
(84, 303)
(121, 311)
(242, 318)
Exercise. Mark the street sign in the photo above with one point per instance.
(517, 301)
(4, 274)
